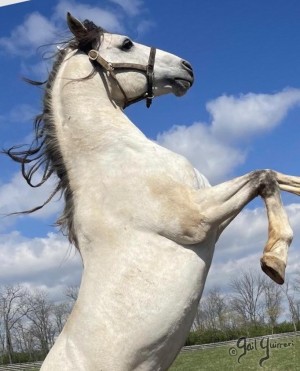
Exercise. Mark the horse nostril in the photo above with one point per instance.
(187, 66)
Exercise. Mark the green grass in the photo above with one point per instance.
(282, 358)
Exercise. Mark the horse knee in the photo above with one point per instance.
(266, 182)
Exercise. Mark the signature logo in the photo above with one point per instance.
(245, 346)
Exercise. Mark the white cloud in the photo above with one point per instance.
(249, 229)
(39, 262)
(26, 38)
(211, 156)
(215, 148)
(104, 18)
(143, 27)
(17, 196)
(131, 7)
(238, 118)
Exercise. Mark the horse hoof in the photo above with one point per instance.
(274, 268)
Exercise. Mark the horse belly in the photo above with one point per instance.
(169, 305)
(151, 295)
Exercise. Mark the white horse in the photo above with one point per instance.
(144, 220)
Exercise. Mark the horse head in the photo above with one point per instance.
(133, 71)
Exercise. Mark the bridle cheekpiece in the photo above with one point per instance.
(94, 55)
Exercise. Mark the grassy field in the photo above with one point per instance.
(280, 355)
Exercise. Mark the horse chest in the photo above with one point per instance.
(141, 186)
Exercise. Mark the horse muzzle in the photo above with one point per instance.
(185, 80)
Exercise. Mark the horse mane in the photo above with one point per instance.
(43, 158)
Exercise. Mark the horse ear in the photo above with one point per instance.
(76, 27)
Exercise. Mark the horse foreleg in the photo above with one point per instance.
(223, 203)
(288, 183)
(276, 248)
(280, 235)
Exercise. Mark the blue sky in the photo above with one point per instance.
(242, 113)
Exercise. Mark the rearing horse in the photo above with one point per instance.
(144, 220)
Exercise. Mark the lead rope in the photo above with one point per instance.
(149, 70)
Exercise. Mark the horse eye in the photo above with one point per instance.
(127, 44)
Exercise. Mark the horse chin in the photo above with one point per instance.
(181, 87)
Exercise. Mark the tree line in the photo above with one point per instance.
(30, 322)
(253, 306)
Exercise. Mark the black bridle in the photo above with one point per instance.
(149, 71)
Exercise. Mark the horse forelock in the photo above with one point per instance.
(88, 40)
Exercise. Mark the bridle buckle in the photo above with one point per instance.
(110, 67)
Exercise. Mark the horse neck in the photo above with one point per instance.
(89, 127)
(82, 107)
